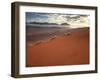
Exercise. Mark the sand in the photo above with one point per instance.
(67, 49)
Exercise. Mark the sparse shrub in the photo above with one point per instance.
(39, 42)
(67, 34)
(53, 37)
(30, 44)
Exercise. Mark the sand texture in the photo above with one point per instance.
(69, 47)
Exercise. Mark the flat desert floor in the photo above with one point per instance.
(70, 47)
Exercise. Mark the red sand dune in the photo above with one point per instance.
(71, 49)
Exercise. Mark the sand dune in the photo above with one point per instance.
(70, 48)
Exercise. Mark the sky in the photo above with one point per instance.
(72, 19)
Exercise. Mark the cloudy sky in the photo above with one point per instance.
(72, 19)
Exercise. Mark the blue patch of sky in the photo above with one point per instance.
(34, 17)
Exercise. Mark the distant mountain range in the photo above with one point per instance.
(46, 23)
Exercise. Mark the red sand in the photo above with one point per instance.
(70, 49)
